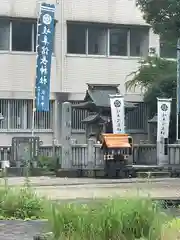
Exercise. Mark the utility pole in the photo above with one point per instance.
(178, 90)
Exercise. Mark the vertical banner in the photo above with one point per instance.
(117, 113)
(163, 118)
(45, 35)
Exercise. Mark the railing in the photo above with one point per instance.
(50, 151)
(91, 155)
(79, 155)
(174, 154)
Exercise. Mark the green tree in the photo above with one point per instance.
(163, 16)
(157, 78)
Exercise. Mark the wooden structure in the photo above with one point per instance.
(97, 103)
(116, 151)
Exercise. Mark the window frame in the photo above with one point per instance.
(107, 29)
(9, 123)
(33, 22)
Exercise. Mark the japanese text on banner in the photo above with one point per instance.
(44, 56)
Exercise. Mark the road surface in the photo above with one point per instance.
(79, 188)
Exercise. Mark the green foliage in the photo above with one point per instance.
(157, 78)
(171, 230)
(47, 163)
(152, 72)
(110, 219)
(121, 219)
(163, 16)
(20, 203)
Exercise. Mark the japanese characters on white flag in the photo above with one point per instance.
(163, 118)
(117, 113)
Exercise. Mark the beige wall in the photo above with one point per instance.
(82, 69)
(111, 11)
(115, 11)
(18, 73)
(71, 73)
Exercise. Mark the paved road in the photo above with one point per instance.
(20, 230)
(53, 181)
(154, 190)
(72, 188)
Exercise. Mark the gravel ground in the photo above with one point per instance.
(20, 230)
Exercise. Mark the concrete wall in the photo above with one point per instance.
(18, 74)
(71, 73)
(6, 138)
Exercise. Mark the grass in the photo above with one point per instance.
(20, 203)
(110, 219)
(121, 219)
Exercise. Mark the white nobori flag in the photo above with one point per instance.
(117, 113)
(163, 117)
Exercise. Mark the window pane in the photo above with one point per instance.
(118, 42)
(42, 120)
(97, 40)
(76, 38)
(138, 117)
(21, 36)
(139, 42)
(167, 50)
(4, 34)
(3, 114)
(17, 114)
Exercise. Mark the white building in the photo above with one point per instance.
(95, 42)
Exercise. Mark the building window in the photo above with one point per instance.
(42, 120)
(98, 39)
(119, 42)
(3, 114)
(18, 35)
(17, 114)
(139, 42)
(138, 117)
(77, 116)
(21, 36)
(167, 49)
(4, 34)
(76, 39)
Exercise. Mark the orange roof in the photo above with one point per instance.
(115, 140)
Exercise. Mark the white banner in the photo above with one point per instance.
(163, 118)
(117, 113)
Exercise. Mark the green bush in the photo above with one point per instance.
(20, 203)
(171, 230)
(47, 163)
(119, 219)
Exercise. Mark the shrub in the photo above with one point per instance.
(171, 230)
(120, 219)
(20, 203)
(48, 163)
